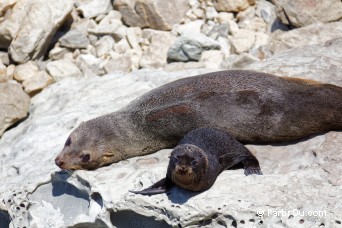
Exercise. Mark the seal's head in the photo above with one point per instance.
(88, 147)
(187, 164)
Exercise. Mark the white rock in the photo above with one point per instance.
(199, 13)
(179, 66)
(63, 68)
(75, 39)
(6, 4)
(213, 59)
(10, 71)
(3, 73)
(4, 58)
(232, 6)
(37, 83)
(134, 37)
(104, 45)
(320, 62)
(303, 13)
(14, 105)
(118, 62)
(33, 80)
(41, 21)
(157, 14)
(225, 45)
(25, 71)
(156, 54)
(211, 13)
(10, 26)
(242, 40)
(246, 15)
(122, 46)
(110, 25)
(239, 61)
(261, 39)
(91, 9)
(312, 34)
(88, 62)
(193, 26)
(225, 17)
(233, 27)
(58, 53)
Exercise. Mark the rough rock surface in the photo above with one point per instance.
(156, 14)
(299, 178)
(312, 34)
(232, 6)
(155, 56)
(190, 46)
(306, 12)
(90, 9)
(63, 68)
(14, 105)
(74, 39)
(321, 62)
(38, 24)
(10, 26)
(33, 79)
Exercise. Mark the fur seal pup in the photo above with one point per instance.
(253, 107)
(199, 158)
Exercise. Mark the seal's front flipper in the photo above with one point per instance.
(251, 166)
(161, 186)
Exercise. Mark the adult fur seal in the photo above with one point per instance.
(253, 107)
(200, 157)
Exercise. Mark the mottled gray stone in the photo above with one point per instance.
(74, 39)
(190, 46)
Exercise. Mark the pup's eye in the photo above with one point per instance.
(194, 162)
(68, 142)
(175, 159)
(85, 157)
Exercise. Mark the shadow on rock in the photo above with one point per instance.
(180, 196)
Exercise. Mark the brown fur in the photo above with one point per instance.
(199, 158)
(253, 107)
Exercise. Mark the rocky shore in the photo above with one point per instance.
(63, 62)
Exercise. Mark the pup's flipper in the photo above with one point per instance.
(251, 165)
(161, 186)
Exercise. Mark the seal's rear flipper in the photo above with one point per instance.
(251, 166)
(157, 188)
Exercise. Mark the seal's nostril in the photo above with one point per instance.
(59, 162)
(85, 157)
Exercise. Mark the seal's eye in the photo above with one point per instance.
(85, 157)
(175, 159)
(68, 142)
(194, 162)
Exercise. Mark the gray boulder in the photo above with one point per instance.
(189, 46)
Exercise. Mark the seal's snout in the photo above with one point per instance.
(59, 162)
(182, 169)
